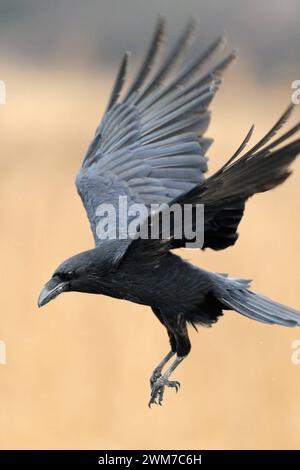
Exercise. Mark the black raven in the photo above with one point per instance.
(150, 148)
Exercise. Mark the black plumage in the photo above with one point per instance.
(150, 147)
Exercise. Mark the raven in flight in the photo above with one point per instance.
(150, 147)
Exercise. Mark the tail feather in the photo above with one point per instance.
(260, 308)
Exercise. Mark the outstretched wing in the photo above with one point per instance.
(150, 146)
(224, 194)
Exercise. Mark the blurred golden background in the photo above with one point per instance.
(77, 371)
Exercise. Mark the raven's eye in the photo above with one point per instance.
(69, 275)
(65, 276)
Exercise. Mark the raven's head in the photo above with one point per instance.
(81, 273)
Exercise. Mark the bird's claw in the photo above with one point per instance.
(154, 377)
(158, 389)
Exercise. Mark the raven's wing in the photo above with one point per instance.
(150, 146)
(224, 194)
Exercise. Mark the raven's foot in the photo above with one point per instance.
(158, 389)
(160, 382)
(156, 374)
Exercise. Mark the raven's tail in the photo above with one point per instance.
(239, 298)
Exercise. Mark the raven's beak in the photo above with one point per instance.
(52, 289)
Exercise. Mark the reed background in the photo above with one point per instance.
(77, 371)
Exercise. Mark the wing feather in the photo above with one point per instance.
(150, 145)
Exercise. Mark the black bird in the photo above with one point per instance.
(150, 148)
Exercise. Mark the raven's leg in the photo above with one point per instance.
(158, 369)
(183, 347)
